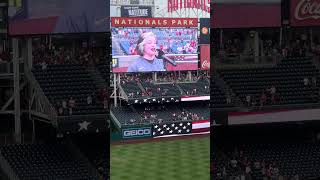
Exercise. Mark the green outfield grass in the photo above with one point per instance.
(185, 159)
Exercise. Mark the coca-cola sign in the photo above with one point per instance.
(205, 56)
(205, 64)
(305, 12)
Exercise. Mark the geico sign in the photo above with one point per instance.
(141, 132)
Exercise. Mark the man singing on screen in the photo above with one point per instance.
(147, 49)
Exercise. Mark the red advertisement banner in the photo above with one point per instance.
(153, 22)
(174, 5)
(305, 13)
(205, 56)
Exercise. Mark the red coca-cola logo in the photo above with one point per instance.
(307, 9)
(205, 64)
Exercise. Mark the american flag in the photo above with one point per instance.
(185, 58)
(201, 126)
(172, 128)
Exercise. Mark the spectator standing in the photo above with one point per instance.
(263, 99)
(314, 81)
(306, 81)
(64, 104)
(105, 103)
(44, 65)
(72, 102)
(248, 100)
(89, 100)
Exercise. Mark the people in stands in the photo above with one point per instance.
(253, 101)
(314, 81)
(104, 93)
(263, 99)
(248, 100)
(306, 81)
(60, 111)
(64, 104)
(44, 65)
(70, 111)
(228, 99)
(89, 100)
(147, 50)
(72, 102)
(273, 91)
(105, 103)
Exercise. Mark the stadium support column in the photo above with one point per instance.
(221, 39)
(29, 53)
(311, 37)
(16, 81)
(27, 67)
(280, 38)
(155, 77)
(115, 87)
(256, 46)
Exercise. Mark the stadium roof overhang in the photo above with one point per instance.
(246, 15)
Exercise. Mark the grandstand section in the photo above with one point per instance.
(53, 92)
(271, 151)
(270, 69)
(49, 161)
(147, 103)
(166, 88)
(57, 91)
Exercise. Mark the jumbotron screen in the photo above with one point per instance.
(154, 49)
(28, 17)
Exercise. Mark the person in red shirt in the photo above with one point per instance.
(72, 103)
(103, 93)
(263, 99)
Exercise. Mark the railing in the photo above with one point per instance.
(48, 108)
(122, 92)
(4, 165)
(7, 68)
(116, 121)
(88, 117)
(285, 106)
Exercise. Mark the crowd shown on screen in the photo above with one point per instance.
(172, 41)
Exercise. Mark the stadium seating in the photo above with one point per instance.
(61, 82)
(140, 114)
(292, 159)
(202, 87)
(96, 148)
(287, 77)
(132, 89)
(218, 97)
(45, 162)
(166, 90)
(103, 69)
(122, 113)
(135, 86)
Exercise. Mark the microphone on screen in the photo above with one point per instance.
(161, 55)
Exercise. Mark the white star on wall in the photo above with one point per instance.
(84, 125)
